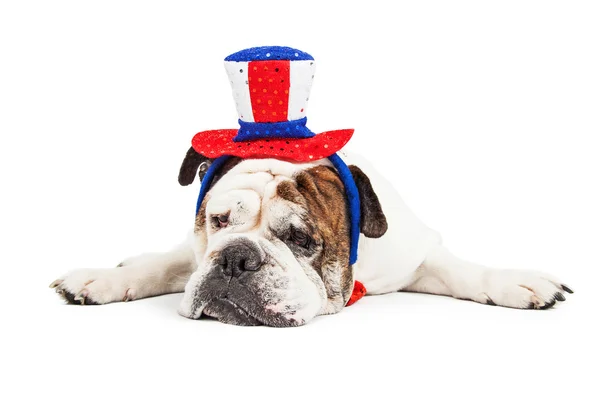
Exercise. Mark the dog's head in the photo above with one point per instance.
(272, 241)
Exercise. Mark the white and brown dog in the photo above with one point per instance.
(273, 240)
(270, 246)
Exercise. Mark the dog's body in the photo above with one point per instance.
(270, 246)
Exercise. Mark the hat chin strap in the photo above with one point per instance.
(346, 177)
(353, 203)
(215, 166)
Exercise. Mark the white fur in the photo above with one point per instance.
(408, 257)
(142, 276)
(443, 273)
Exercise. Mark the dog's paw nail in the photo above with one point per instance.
(56, 283)
(548, 305)
(81, 296)
(559, 296)
(129, 294)
(567, 289)
(537, 301)
(120, 265)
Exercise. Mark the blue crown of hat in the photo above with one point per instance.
(265, 53)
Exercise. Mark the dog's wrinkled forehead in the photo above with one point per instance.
(255, 174)
(251, 184)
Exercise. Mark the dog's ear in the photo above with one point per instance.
(192, 163)
(373, 223)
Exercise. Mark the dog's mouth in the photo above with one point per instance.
(247, 302)
(229, 311)
(226, 311)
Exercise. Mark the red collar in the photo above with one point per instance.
(357, 293)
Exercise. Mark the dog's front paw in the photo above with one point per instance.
(522, 289)
(93, 286)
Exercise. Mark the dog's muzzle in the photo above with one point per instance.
(250, 282)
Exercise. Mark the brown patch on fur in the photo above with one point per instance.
(528, 288)
(201, 216)
(287, 191)
(324, 197)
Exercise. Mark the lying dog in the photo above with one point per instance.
(271, 246)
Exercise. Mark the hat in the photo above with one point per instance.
(271, 87)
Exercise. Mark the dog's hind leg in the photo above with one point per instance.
(147, 275)
(445, 274)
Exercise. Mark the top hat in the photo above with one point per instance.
(271, 86)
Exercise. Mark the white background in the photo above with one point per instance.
(485, 115)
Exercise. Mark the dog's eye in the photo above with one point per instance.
(221, 221)
(300, 238)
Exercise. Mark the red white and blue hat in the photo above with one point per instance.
(271, 86)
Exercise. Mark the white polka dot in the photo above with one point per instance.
(310, 157)
(268, 54)
(296, 54)
(297, 145)
(326, 146)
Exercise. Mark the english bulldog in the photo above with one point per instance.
(270, 246)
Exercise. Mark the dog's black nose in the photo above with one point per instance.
(240, 256)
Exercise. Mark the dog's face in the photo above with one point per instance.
(272, 243)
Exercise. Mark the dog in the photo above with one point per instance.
(270, 246)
